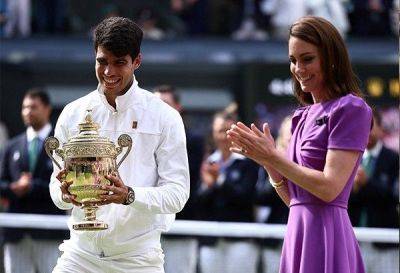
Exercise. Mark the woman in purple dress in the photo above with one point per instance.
(330, 133)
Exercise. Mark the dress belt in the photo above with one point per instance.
(295, 202)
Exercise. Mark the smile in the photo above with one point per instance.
(110, 81)
(304, 78)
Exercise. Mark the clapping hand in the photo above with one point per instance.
(252, 143)
(209, 173)
(22, 185)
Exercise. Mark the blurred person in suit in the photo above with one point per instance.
(374, 199)
(25, 172)
(271, 210)
(181, 251)
(226, 195)
(18, 18)
(3, 135)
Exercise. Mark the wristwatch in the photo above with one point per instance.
(130, 197)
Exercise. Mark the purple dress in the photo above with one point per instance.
(319, 236)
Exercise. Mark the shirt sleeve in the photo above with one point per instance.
(173, 187)
(349, 125)
(61, 134)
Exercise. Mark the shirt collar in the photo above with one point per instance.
(42, 133)
(374, 152)
(217, 157)
(123, 102)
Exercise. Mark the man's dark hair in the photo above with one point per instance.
(163, 89)
(119, 35)
(38, 93)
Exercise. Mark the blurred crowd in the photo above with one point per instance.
(238, 19)
(225, 187)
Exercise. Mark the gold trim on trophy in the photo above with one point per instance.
(88, 157)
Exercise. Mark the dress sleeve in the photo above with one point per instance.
(296, 117)
(349, 125)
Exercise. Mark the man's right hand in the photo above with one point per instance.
(66, 195)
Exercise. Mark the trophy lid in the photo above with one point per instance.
(88, 142)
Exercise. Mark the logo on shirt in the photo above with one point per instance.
(134, 124)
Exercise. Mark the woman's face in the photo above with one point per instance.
(305, 65)
(220, 126)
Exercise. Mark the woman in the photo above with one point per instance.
(226, 195)
(329, 134)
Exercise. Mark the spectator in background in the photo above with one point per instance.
(24, 180)
(281, 16)
(181, 252)
(50, 16)
(251, 20)
(193, 13)
(371, 17)
(226, 195)
(3, 135)
(148, 21)
(394, 17)
(374, 199)
(269, 202)
(3, 16)
(391, 127)
(333, 10)
(18, 18)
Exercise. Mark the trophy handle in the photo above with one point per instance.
(51, 144)
(124, 140)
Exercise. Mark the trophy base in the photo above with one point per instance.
(90, 225)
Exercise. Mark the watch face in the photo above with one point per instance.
(131, 196)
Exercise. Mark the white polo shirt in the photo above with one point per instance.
(156, 168)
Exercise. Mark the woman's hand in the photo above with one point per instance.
(252, 143)
(209, 173)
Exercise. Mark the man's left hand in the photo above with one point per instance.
(118, 192)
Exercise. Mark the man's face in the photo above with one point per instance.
(169, 99)
(115, 74)
(35, 113)
(375, 134)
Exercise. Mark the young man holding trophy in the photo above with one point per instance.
(135, 198)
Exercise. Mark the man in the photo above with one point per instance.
(153, 181)
(181, 251)
(25, 171)
(373, 202)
